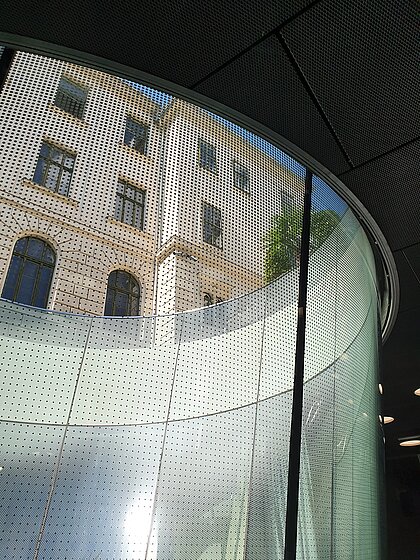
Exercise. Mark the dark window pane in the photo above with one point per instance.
(138, 219)
(119, 208)
(134, 308)
(109, 302)
(12, 278)
(56, 155)
(112, 279)
(68, 161)
(121, 303)
(45, 150)
(35, 248)
(40, 298)
(49, 256)
(39, 172)
(21, 245)
(27, 283)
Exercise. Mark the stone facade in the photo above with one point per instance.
(168, 257)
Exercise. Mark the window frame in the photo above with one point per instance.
(23, 257)
(239, 171)
(213, 225)
(69, 97)
(133, 282)
(50, 163)
(125, 199)
(204, 162)
(146, 129)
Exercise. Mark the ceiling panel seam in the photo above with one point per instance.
(255, 43)
(411, 267)
(301, 76)
(379, 156)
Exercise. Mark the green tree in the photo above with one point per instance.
(282, 242)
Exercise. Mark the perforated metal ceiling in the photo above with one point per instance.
(337, 78)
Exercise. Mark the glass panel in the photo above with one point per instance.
(20, 246)
(51, 179)
(340, 410)
(39, 172)
(27, 283)
(121, 304)
(64, 183)
(211, 448)
(12, 278)
(103, 500)
(42, 292)
(29, 454)
(56, 155)
(35, 248)
(109, 302)
(68, 161)
(138, 217)
(128, 211)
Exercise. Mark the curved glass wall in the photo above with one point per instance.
(167, 436)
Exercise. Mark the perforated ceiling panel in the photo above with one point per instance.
(275, 85)
(363, 70)
(389, 187)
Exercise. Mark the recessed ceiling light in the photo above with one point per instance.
(381, 389)
(417, 392)
(388, 419)
(410, 443)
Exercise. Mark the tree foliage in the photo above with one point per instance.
(282, 242)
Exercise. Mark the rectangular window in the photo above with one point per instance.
(240, 177)
(71, 98)
(136, 135)
(54, 168)
(212, 225)
(207, 156)
(129, 204)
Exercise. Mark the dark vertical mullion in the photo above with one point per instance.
(296, 420)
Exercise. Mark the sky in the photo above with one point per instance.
(323, 197)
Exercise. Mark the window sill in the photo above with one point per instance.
(134, 151)
(214, 172)
(114, 221)
(243, 191)
(49, 192)
(71, 118)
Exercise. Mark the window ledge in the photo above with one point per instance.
(114, 221)
(247, 193)
(45, 190)
(68, 116)
(129, 150)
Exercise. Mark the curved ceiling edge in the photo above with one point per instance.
(37, 46)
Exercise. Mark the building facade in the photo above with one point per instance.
(116, 201)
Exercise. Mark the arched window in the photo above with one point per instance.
(122, 295)
(30, 272)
